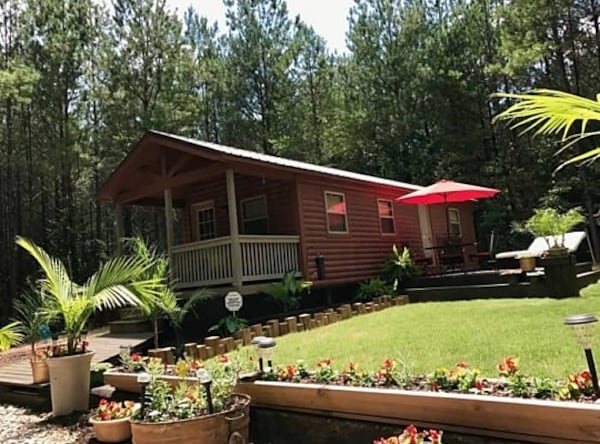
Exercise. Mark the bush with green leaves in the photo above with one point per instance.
(288, 292)
(399, 267)
(229, 325)
(373, 288)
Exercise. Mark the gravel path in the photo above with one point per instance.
(23, 426)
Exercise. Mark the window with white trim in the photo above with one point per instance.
(255, 219)
(204, 220)
(385, 208)
(337, 216)
(454, 222)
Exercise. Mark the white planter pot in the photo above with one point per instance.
(70, 383)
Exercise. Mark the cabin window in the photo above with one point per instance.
(204, 220)
(386, 216)
(255, 219)
(454, 222)
(337, 217)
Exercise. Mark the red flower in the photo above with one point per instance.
(462, 365)
(105, 416)
(388, 363)
(479, 385)
(136, 357)
(103, 402)
(223, 359)
(290, 371)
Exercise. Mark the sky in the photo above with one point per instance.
(327, 17)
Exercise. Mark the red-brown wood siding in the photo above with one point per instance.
(361, 252)
(281, 204)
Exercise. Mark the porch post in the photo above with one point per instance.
(119, 228)
(236, 248)
(169, 219)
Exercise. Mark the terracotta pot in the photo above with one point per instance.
(40, 372)
(231, 426)
(115, 430)
(527, 263)
(70, 383)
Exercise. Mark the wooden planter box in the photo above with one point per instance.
(548, 422)
(127, 382)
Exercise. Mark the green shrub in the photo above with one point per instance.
(398, 268)
(373, 288)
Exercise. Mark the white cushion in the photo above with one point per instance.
(540, 245)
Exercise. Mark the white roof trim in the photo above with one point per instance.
(245, 154)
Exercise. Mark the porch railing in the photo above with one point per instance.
(209, 263)
(203, 263)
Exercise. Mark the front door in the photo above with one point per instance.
(426, 235)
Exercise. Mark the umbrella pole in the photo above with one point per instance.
(447, 219)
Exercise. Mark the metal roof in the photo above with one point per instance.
(289, 163)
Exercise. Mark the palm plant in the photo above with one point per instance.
(163, 301)
(551, 225)
(117, 283)
(10, 335)
(288, 292)
(549, 112)
(31, 316)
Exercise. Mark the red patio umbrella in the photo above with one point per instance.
(446, 191)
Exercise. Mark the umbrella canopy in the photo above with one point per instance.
(446, 191)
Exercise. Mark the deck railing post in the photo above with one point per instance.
(169, 222)
(236, 249)
(119, 228)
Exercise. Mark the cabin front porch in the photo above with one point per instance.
(213, 263)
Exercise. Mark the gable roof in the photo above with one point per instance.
(289, 163)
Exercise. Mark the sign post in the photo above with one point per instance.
(234, 301)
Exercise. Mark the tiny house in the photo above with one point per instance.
(248, 218)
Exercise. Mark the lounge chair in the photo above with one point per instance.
(575, 241)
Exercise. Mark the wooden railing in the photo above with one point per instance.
(268, 257)
(203, 263)
(210, 263)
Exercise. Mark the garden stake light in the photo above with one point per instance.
(143, 379)
(256, 341)
(266, 348)
(583, 327)
(204, 378)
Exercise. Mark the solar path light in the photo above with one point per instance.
(583, 327)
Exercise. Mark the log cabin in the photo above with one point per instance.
(248, 218)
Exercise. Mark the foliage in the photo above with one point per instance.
(461, 379)
(373, 288)
(550, 112)
(131, 362)
(10, 335)
(30, 315)
(399, 267)
(411, 435)
(162, 301)
(115, 284)
(229, 325)
(109, 410)
(551, 224)
(288, 292)
(188, 401)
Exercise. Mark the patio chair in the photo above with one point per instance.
(574, 241)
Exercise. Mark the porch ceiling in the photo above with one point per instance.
(151, 168)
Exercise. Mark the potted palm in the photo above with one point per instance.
(551, 225)
(28, 307)
(114, 285)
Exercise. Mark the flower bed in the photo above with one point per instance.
(455, 400)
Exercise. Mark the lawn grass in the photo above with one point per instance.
(430, 335)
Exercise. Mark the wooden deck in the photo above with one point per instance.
(16, 385)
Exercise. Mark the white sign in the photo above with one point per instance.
(233, 301)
